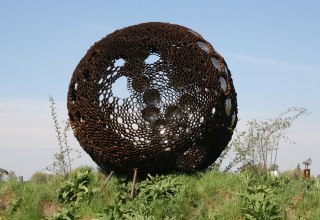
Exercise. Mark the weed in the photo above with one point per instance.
(64, 214)
(210, 195)
(14, 205)
(259, 201)
(77, 189)
(155, 190)
(62, 163)
(159, 187)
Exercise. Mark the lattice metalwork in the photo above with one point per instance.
(153, 96)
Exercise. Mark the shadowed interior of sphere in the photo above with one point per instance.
(153, 96)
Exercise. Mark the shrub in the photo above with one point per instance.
(40, 177)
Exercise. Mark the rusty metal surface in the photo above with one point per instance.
(179, 110)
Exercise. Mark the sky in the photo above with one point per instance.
(271, 47)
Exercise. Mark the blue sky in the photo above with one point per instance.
(271, 47)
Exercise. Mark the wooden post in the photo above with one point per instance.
(108, 178)
(306, 173)
(134, 183)
(20, 179)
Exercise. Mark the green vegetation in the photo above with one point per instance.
(252, 194)
(85, 194)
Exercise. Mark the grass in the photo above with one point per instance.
(210, 195)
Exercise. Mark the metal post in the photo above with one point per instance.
(134, 182)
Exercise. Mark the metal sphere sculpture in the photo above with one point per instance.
(175, 110)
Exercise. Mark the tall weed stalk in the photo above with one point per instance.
(62, 163)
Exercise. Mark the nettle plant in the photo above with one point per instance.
(259, 199)
(159, 187)
(154, 189)
(77, 189)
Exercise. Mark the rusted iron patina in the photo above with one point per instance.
(175, 110)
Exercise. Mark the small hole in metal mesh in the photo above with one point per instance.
(120, 102)
(101, 97)
(110, 100)
(119, 62)
(134, 126)
(119, 120)
(162, 130)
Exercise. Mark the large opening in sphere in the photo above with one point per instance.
(120, 89)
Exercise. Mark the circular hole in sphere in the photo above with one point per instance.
(216, 63)
(228, 106)
(223, 84)
(203, 46)
(173, 112)
(150, 113)
(140, 84)
(151, 97)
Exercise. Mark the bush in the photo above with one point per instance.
(41, 178)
